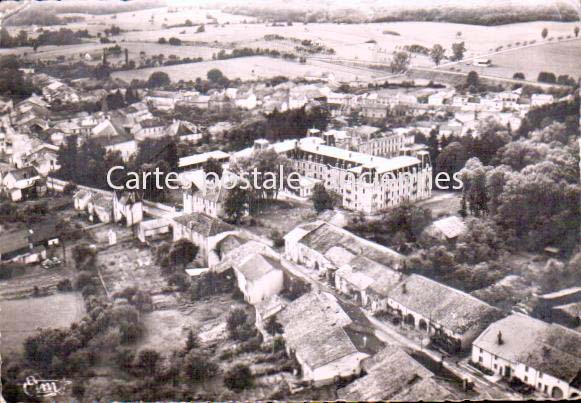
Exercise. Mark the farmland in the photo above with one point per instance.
(558, 58)
(20, 318)
(247, 68)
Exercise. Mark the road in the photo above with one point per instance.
(388, 334)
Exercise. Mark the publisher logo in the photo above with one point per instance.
(44, 388)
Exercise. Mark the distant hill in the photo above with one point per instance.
(477, 12)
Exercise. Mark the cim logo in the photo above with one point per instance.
(44, 388)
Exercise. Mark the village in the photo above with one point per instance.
(343, 287)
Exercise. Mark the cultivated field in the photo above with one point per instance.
(20, 318)
(249, 68)
(558, 58)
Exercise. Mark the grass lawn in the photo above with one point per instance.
(442, 203)
(282, 216)
(20, 318)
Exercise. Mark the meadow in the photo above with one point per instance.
(248, 68)
(20, 318)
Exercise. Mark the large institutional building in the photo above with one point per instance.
(366, 183)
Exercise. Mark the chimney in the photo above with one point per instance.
(499, 340)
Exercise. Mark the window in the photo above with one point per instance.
(545, 389)
(526, 369)
(480, 359)
(540, 385)
(526, 378)
(495, 366)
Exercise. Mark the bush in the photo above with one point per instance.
(239, 378)
(547, 77)
(64, 285)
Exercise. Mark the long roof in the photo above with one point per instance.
(447, 306)
(549, 348)
(325, 236)
(314, 325)
(201, 158)
(257, 266)
(203, 224)
(391, 374)
(14, 241)
(379, 163)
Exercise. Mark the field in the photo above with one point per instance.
(20, 318)
(558, 58)
(248, 68)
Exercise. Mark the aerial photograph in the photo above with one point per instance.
(296, 201)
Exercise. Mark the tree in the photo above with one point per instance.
(131, 96)
(452, 158)
(544, 33)
(214, 166)
(576, 31)
(201, 29)
(518, 76)
(400, 62)
(193, 341)
(437, 53)
(162, 41)
(236, 318)
(198, 367)
(183, 252)
(215, 75)
(322, 200)
(236, 203)
(547, 77)
(238, 378)
(473, 81)
(158, 79)
(147, 361)
(174, 41)
(458, 50)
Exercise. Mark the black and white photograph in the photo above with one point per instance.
(296, 201)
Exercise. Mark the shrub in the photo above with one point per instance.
(64, 285)
(239, 378)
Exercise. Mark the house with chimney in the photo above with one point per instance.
(542, 355)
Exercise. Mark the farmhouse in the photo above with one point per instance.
(366, 281)
(127, 208)
(452, 318)
(317, 335)
(100, 207)
(325, 247)
(152, 229)
(202, 230)
(22, 184)
(393, 375)
(258, 277)
(29, 245)
(545, 356)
